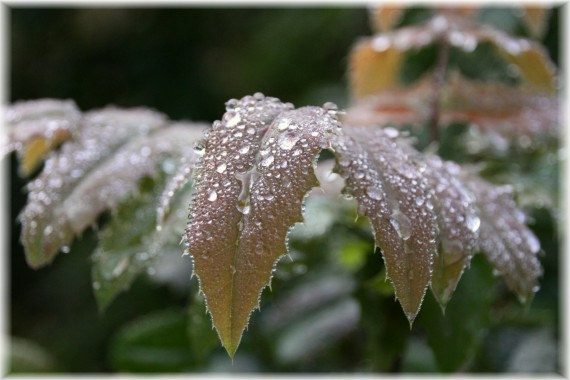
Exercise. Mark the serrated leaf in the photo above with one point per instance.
(111, 151)
(504, 238)
(131, 243)
(254, 175)
(38, 126)
(458, 226)
(392, 192)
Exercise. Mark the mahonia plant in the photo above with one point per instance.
(247, 176)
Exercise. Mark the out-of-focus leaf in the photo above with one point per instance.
(384, 18)
(109, 154)
(315, 333)
(536, 353)
(394, 195)
(132, 243)
(455, 335)
(45, 224)
(504, 238)
(375, 62)
(536, 19)
(509, 111)
(201, 334)
(38, 126)
(249, 192)
(153, 343)
(306, 298)
(27, 357)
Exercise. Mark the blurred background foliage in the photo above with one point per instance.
(330, 308)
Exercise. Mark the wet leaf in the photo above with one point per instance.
(510, 246)
(458, 226)
(111, 152)
(38, 126)
(392, 192)
(131, 244)
(508, 111)
(256, 170)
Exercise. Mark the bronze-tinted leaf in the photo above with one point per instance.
(384, 18)
(36, 127)
(256, 170)
(509, 111)
(394, 195)
(504, 238)
(458, 225)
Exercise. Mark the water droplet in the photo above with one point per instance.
(473, 223)
(267, 161)
(221, 168)
(199, 149)
(401, 224)
(391, 132)
(284, 164)
(48, 230)
(250, 131)
(419, 201)
(232, 119)
(283, 124)
(244, 209)
(288, 140)
(374, 193)
(244, 149)
(297, 152)
(213, 196)
(65, 249)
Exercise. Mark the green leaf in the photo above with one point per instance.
(249, 192)
(455, 335)
(28, 357)
(155, 343)
(132, 244)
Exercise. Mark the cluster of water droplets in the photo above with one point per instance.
(48, 119)
(505, 239)
(45, 219)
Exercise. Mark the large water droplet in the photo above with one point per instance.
(244, 149)
(288, 140)
(233, 120)
(213, 196)
(374, 193)
(473, 223)
(401, 224)
(221, 168)
(267, 161)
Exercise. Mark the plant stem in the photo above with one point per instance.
(438, 82)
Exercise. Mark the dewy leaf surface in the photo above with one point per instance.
(111, 150)
(257, 168)
(394, 195)
(506, 241)
(36, 127)
(458, 226)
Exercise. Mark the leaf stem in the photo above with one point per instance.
(438, 82)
